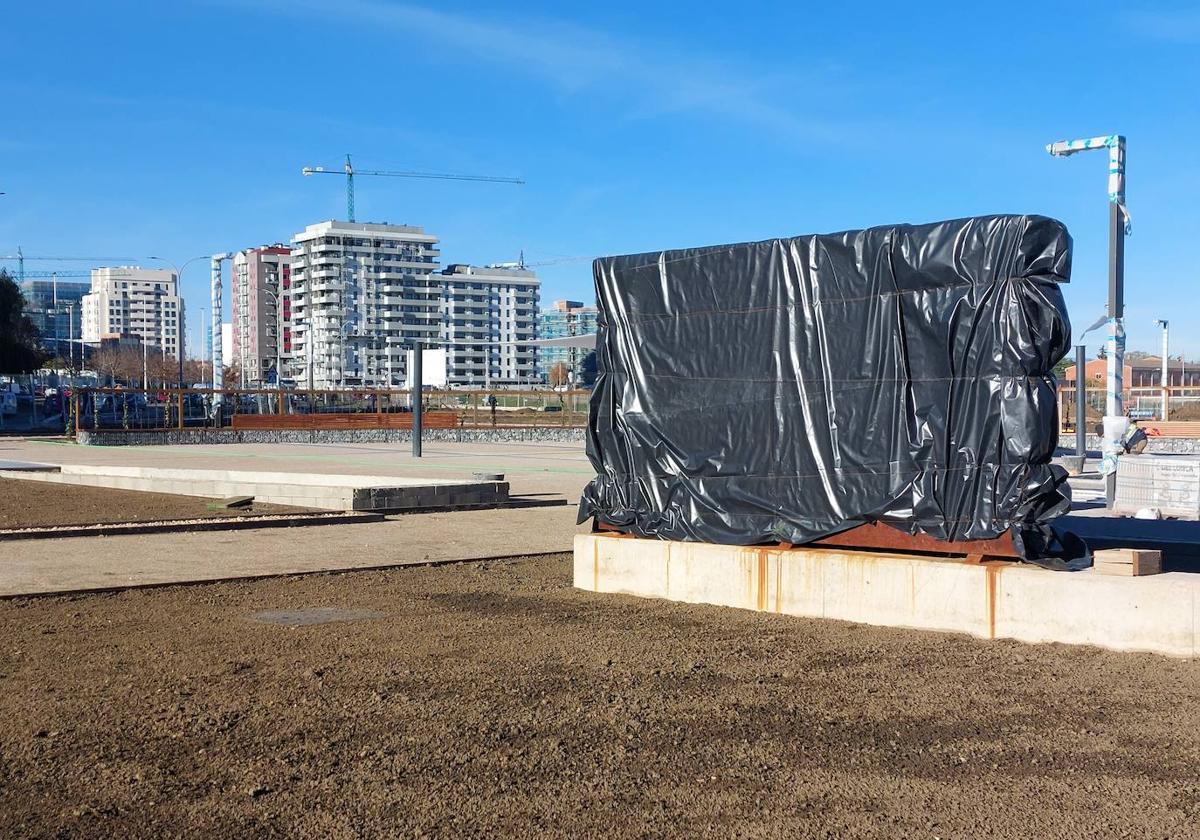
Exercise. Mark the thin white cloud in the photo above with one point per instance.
(1178, 25)
(649, 79)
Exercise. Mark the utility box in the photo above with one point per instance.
(1170, 483)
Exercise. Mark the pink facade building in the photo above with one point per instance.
(262, 318)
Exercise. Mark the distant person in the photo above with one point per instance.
(491, 401)
(1135, 439)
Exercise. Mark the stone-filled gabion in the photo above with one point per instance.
(175, 437)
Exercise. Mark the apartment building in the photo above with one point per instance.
(261, 313)
(142, 303)
(360, 294)
(564, 318)
(486, 313)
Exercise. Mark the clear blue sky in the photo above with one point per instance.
(179, 128)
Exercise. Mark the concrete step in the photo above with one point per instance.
(326, 492)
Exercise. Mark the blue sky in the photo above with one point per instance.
(180, 128)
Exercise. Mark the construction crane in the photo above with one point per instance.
(21, 257)
(349, 171)
(522, 264)
(41, 275)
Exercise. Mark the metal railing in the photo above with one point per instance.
(1144, 402)
(140, 409)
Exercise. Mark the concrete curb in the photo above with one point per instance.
(173, 526)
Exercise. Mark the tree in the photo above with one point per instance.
(560, 375)
(19, 350)
(163, 369)
(232, 375)
(197, 372)
(118, 363)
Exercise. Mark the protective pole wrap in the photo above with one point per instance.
(218, 370)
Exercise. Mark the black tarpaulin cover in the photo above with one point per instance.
(788, 389)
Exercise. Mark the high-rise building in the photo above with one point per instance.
(135, 302)
(262, 326)
(53, 306)
(360, 294)
(565, 318)
(486, 313)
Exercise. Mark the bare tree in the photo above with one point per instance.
(106, 362)
(560, 375)
(163, 369)
(197, 371)
(233, 375)
(129, 364)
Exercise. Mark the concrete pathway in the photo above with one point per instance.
(67, 565)
(541, 471)
(532, 467)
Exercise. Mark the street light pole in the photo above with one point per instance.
(416, 393)
(278, 338)
(1118, 227)
(1166, 393)
(180, 315)
(1081, 391)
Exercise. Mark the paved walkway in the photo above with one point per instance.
(539, 471)
(531, 467)
(44, 566)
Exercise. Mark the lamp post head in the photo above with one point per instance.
(1161, 322)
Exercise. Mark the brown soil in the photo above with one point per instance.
(41, 504)
(493, 700)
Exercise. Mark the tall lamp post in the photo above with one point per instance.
(1118, 227)
(179, 320)
(278, 337)
(1166, 393)
(1081, 392)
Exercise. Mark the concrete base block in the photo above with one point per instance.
(1073, 464)
(1157, 613)
(313, 490)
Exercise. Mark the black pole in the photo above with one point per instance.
(181, 343)
(1081, 403)
(416, 393)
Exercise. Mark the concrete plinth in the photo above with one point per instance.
(1158, 613)
(313, 490)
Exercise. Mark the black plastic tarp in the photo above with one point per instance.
(789, 389)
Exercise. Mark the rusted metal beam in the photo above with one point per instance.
(880, 537)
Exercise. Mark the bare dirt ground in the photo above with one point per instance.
(39, 504)
(493, 700)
